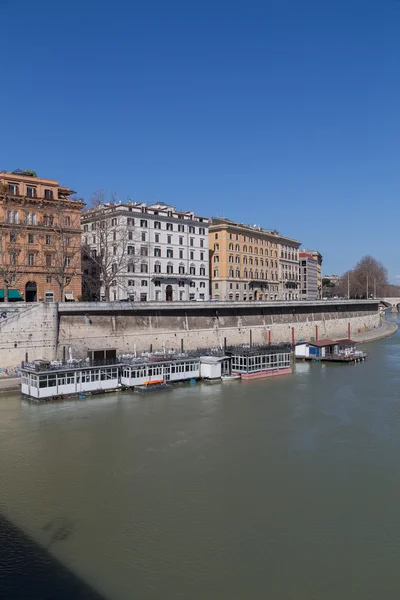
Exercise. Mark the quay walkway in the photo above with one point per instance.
(386, 329)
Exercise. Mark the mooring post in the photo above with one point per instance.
(251, 338)
(316, 333)
(292, 336)
(181, 344)
(348, 330)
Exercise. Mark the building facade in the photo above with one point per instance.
(147, 253)
(308, 277)
(251, 263)
(40, 259)
(318, 257)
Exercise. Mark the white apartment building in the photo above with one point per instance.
(153, 253)
(308, 277)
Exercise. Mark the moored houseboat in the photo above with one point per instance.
(253, 362)
(339, 351)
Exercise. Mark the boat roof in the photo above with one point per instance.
(322, 343)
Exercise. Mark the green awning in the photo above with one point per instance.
(12, 295)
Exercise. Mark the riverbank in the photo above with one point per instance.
(386, 329)
(13, 384)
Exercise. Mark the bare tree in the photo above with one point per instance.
(12, 241)
(60, 242)
(368, 278)
(109, 250)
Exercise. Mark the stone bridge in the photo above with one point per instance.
(393, 303)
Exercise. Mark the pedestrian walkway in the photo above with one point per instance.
(385, 330)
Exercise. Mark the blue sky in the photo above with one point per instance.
(281, 113)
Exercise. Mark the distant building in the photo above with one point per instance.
(334, 279)
(144, 253)
(251, 263)
(40, 239)
(308, 277)
(318, 257)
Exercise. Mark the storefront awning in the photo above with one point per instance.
(12, 295)
(69, 296)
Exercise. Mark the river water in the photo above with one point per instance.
(284, 488)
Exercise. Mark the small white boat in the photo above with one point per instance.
(231, 377)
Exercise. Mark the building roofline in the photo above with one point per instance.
(222, 223)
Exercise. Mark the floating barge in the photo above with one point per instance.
(338, 351)
(44, 380)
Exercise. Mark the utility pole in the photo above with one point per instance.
(367, 288)
(348, 286)
(374, 288)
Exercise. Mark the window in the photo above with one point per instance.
(216, 236)
(144, 268)
(30, 192)
(143, 223)
(191, 229)
(237, 274)
(157, 283)
(201, 243)
(131, 268)
(49, 296)
(170, 268)
(169, 227)
(192, 241)
(216, 273)
(48, 194)
(13, 238)
(181, 228)
(93, 239)
(169, 239)
(67, 221)
(130, 222)
(68, 280)
(131, 250)
(170, 253)
(180, 253)
(31, 239)
(157, 268)
(202, 231)
(157, 252)
(192, 284)
(231, 258)
(192, 270)
(202, 271)
(31, 259)
(216, 286)
(143, 236)
(13, 258)
(202, 284)
(48, 260)
(157, 238)
(144, 283)
(113, 222)
(181, 269)
(192, 296)
(144, 251)
(67, 261)
(48, 278)
(180, 240)
(181, 284)
(131, 282)
(231, 247)
(191, 255)
(157, 225)
(48, 240)
(13, 189)
(143, 297)
(114, 250)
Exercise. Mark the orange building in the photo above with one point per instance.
(40, 239)
(251, 263)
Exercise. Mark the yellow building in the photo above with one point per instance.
(251, 263)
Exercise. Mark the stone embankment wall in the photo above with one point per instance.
(27, 328)
(47, 330)
(201, 327)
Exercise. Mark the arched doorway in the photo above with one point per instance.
(255, 295)
(168, 293)
(31, 292)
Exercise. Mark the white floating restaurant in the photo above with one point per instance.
(43, 380)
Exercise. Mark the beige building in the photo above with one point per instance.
(318, 257)
(251, 263)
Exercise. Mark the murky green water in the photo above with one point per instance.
(287, 488)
